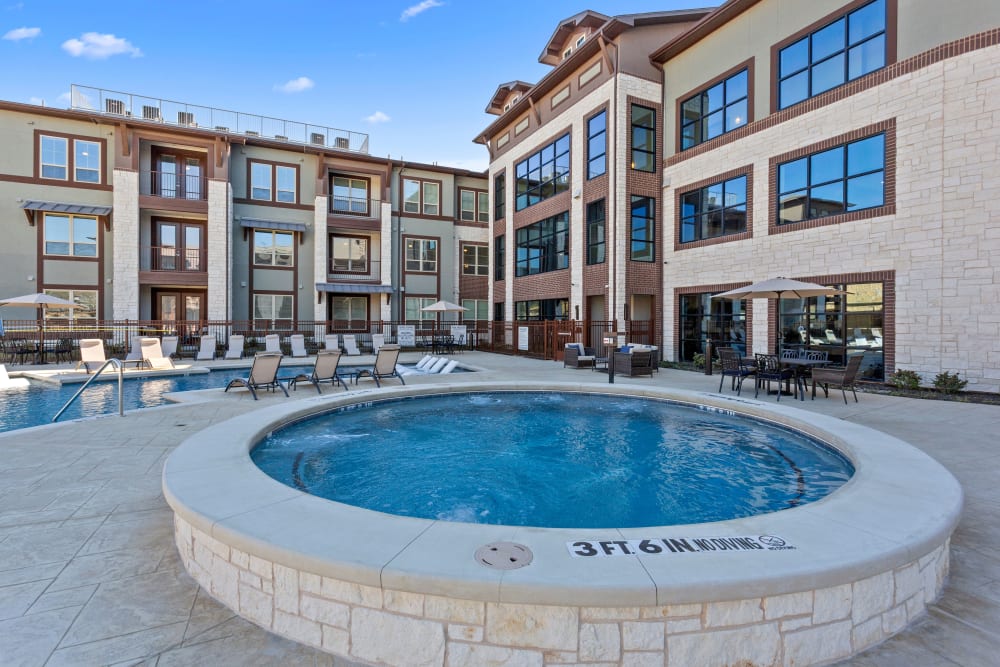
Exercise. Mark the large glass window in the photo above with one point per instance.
(846, 178)
(421, 255)
(542, 309)
(348, 254)
(702, 318)
(70, 235)
(841, 325)
(475, 260)
(499, 196)
(543, 246)
(596, 233)
(643, 138)
(840, 51)
(86, 301)
(476, 309)
(272, 306)
(87, 161)
(272, 182)
(643, 229)
(64, 159)
(715, 111)
(55, 157)
(415, 308)
(715, 210)
(352, 310)
(597, 145)
(543, 174)
(500, 257)
(474, 205)
(350, 195)
(284, 178)
(272, 248)
(421, 197)
(260, 181)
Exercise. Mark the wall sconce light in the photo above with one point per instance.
(300, 286)
(243, 283)
(30, 278)
(109, 280)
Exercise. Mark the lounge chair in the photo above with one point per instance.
(842, 378)
(385, 366)
(378, 340)
(734, 368)
(331, 342)
(91, 352)
(263, 375)
(169, 346)
(351, 345)
(135, 352)
(235, 349)
(633, 363)
(325, 370)
(272, 343)
(298, 343)
(7, 382)
(577, 356)
(206, 349)
(152, 355)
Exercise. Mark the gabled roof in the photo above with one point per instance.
(715, 20)
(504, 91)
(552, 53)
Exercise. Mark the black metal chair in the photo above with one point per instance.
(735, 369)
(768, 369)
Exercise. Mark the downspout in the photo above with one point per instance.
(613, 194)
(397, 262)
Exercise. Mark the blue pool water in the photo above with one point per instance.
(552, 460)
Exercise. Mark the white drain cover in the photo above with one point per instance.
(504, 555)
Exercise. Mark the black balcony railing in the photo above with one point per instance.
(170, 258)
(354, 271)
(361, 207)
(173, 186)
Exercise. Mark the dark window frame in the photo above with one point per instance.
(597, 243)
(704, 96)
(650, 155)
(481, 260)
(591, 135)
(499, 196)
(332, 238)
(700, 196)
(273, 248)
(528, 193)
(272, 197)
(648, 239)
(352, 208)
(539, 243)
(499, 257)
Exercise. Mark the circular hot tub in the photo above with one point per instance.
(806, 585)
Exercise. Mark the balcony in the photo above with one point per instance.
(171, 185)
(172, 265)
(354, 271)
(360, 207)
(180, 114)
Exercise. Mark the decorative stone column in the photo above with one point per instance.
(125, 257)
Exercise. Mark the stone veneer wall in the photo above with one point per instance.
(402, 628)
(125, 252)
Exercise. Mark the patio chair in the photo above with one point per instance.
(735, 369)
(235, 348)
(842, 378)
(378, 340)
(272, 343)
(385, 366)
(169, 346)
(152, 354)
(91, 352)
(298, 343)
(135, 351)
(325, 370)
(351, 345)
(331, 342)
(263, 375)
(206, 349)
(633, 363)
(769, 368)
(577, 356)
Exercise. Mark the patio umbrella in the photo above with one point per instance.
(778, 288)
(443, 307)
(42, 302)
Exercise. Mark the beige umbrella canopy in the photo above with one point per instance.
(778, 288)
(443, 307)
(40, 301)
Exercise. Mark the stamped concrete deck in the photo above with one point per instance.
(89, 573)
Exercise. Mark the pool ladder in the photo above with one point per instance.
(120, 367)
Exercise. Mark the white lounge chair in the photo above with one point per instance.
(91, 353)
(298, 343)
(272, 343)
(385, 366)
(263, 375)
(7, 382)
(331, 342)
(378, 340)
(235, 349)
(206, 350)
(152, 354)
(351, 345)
(135, 352)
(169, 346)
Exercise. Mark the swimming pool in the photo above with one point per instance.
(552, 459)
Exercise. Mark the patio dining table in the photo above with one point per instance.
(800, 366)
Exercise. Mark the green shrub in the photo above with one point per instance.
(905, 379)
(698, 360)
(949, 383)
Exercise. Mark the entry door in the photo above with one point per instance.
(179, 246)
(179, 176)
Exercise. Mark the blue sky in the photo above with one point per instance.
(414, 74)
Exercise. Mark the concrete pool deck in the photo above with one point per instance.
(89, 573)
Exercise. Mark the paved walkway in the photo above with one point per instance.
(89, 574)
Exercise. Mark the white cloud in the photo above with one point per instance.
(36, 101)
(295, 85)
(17, 34)
(377, 117)
(419, 8)
(95, 46)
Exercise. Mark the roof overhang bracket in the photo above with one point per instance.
(125, 140)
(30, 215)
(606, 53)
(535, 111)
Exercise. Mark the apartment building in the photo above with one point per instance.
(852, 144)
(145, 209)
(575, 176)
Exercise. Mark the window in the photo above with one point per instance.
(273, 182)
(273, 248)
(596, 239)
(475, 260)
(643, 228)
(86, 301)
(846, 178)
(70, 235)
(500, 257)
(350, 195)
(499, 196)
(483, 206)
(348, 254)
(841, 51)
(597, 145)
(499, 311)
(421, 197)
(542, 309)
(715, 210)
(643, 138)
(55, 157)
(421, 255)
(87, 163)
(272, 306)
(702, 318)
(580, 40)
(476, 309)
(544, 174)
(475, 205)
(61, 161)
(713, 112)
(415, 306)
(543, 246)
(350, 309)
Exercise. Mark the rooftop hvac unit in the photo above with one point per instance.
(342, 142)
(252, 133)
(114, 106)
(317, 138)
(150, 112)
(185, 118)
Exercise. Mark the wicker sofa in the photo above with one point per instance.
(577, 356)
(636, 362)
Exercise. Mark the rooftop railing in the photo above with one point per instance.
(181, 114)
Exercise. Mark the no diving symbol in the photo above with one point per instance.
(771, 541)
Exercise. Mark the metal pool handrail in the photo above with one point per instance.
(121, 381)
